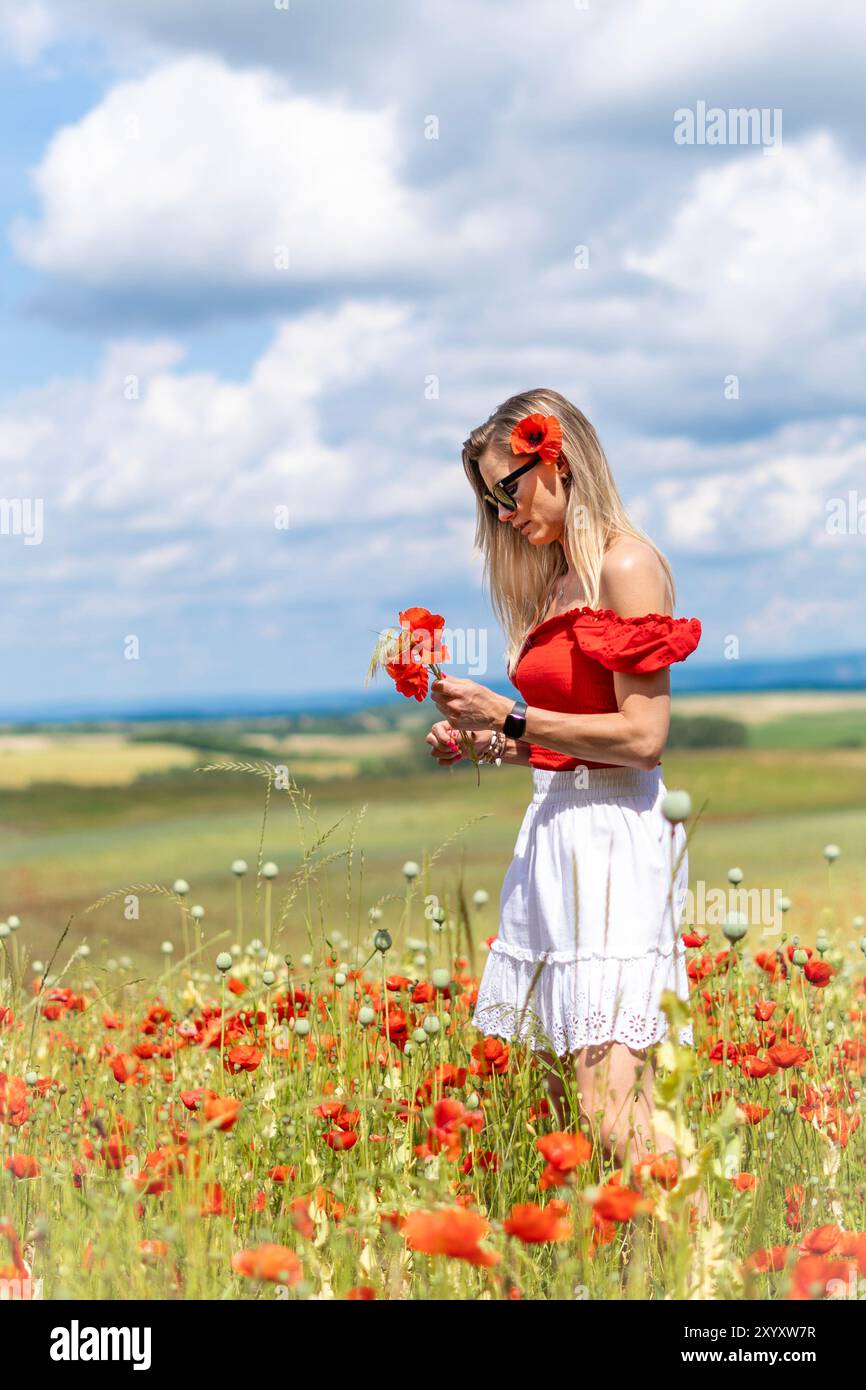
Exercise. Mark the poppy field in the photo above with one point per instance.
(248, 1121)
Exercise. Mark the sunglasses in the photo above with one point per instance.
(500, 495)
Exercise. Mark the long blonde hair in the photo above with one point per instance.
(521, 577)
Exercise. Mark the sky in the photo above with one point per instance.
(264, 267)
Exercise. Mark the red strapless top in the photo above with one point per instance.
(567, 662)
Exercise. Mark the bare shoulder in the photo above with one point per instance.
(633, 580)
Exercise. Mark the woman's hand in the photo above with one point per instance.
(444, 745)
(467, 705)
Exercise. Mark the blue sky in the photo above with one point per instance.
(233, 260)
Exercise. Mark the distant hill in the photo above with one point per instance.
(846, 671)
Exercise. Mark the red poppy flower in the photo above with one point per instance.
(763, 1009)
(786, 1054)
(410, 677)
(340, 1139)
(538, 434)
(424, 634)
(757, 1067)
(242, 1058)
(533, 1224)
(768, 1261)
(694, 938)
(616, 1203)
(275, 1263)
(454, 1231)
(222, 1108)
(818, 973)
(22, 1166)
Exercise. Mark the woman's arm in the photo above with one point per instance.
(632, 583)
(633, 737)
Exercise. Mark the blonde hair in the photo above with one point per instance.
(521, 577)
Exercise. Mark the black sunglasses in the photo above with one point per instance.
(500, 493)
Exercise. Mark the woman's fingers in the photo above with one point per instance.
(444, 743)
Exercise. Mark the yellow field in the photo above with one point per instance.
(84, 760)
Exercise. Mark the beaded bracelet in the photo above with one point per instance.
(494, 750)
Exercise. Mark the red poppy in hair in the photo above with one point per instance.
(538, 434)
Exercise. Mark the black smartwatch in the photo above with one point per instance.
(515, 720)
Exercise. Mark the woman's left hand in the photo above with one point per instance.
(467, 705)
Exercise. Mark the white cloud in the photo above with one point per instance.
(198, 175)
(767, 496)
(766, 250)
(27, 27)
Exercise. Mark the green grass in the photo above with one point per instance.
(769, 811)
(844, 729)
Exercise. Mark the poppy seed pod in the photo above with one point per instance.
(736, 926)
(382, 941)
(676, 806)
(223, 961)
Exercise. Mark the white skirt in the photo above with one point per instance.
(601, 970)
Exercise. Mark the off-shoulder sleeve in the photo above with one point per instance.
(639, 645)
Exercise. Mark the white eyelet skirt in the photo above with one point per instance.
(591, 904)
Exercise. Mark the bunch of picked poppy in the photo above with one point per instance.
(410, 655)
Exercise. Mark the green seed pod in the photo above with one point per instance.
(676, 806)
(382, 940)
(431, 1025)
(441, 977)
(224, 962)
(735, 926)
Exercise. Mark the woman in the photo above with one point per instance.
(591, 905)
